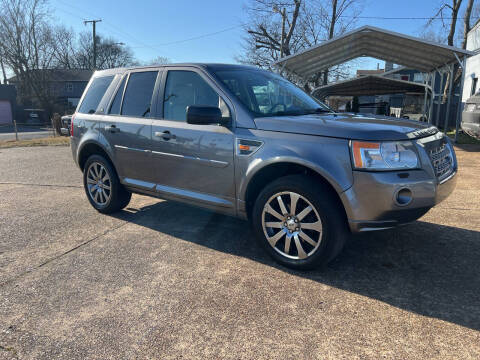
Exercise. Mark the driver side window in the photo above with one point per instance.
(185, 88)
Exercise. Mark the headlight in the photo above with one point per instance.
(391, 155)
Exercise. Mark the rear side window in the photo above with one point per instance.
(138, 95)
(95, 94)
(117, 101)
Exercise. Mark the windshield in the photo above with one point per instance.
(268, 94)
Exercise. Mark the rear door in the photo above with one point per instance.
(194, 162)
(127, 127)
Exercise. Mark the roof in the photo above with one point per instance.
(210, 66)
(371, 41)
(62, 75)
(369, 85)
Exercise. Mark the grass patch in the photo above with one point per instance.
(49, 141)
(463, 138)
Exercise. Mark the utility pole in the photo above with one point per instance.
(93, 22)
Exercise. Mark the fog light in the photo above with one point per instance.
(403, 196)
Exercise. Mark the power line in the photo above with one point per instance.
(397, 18)
(107, 23)
(200, 36)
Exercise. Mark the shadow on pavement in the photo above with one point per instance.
(425, 268)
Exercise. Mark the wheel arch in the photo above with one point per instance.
(92, 148)
(268, 173)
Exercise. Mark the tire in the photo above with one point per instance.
(106, 196)
(315, 244)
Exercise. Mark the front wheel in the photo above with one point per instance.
(103, 187)
(299, 222)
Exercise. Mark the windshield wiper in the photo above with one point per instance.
(319, 110)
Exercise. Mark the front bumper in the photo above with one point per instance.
(382, 200)
(372, 203)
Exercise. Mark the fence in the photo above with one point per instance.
(25, 131)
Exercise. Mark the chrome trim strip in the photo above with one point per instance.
(139, 183)
(129, 148)
(208, 162)
(448, 178)
(193, 195)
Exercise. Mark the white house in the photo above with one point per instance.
(472, 68)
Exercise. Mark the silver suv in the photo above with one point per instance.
(248, 143)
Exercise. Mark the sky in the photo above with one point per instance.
(208, 30)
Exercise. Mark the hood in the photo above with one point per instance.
(348, 126)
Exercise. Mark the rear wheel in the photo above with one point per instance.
(103, 187)
(299, 222)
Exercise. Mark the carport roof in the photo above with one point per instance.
(370, 41)
(369, 85)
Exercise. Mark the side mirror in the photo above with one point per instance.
(204, 115)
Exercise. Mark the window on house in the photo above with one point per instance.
(405, 77)
(418, 77)
(69, 87)
(137, 100)
(474, 86)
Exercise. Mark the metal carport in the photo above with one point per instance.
(428, 57)
(369, 85)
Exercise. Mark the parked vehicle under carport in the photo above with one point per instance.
(471, 116)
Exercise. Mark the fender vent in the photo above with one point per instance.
(247, 147)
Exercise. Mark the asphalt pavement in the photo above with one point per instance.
(162, 280)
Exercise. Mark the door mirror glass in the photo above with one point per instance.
(203, 115)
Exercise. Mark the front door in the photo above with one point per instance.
(128, 127)
(194, 162)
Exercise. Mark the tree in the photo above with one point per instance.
(159, 60)
(278, 28)
(110, 53)
(31, 48)
(452, 9)
(466, 22)
(26, 43)
(270, 36)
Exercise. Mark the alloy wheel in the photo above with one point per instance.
(292, 225)
(99, 184)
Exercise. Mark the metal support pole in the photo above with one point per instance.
(16, 131)
(432, 100)
(425, 98)
(437, 117)
(449, 99)
(459, 107)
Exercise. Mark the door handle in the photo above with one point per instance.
(112, 128)
(165, 135)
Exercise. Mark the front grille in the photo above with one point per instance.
(442, 160)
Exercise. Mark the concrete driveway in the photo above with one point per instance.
(168, 281)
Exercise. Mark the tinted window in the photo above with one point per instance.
(117, 101)
(184, 88)
(94, 94)
(138, 95)
(267, 94)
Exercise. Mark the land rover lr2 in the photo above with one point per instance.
(248, 143)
